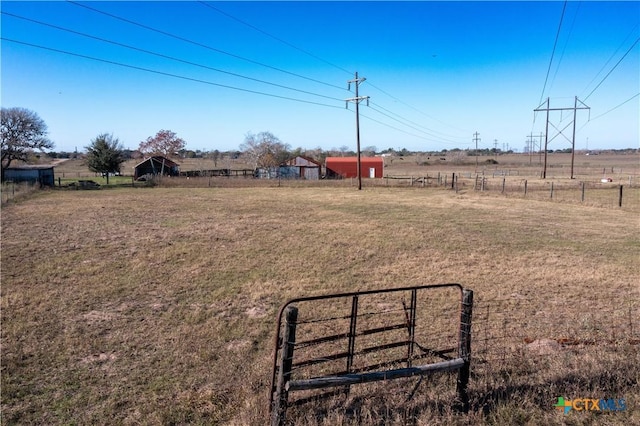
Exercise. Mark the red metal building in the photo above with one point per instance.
(347, 167)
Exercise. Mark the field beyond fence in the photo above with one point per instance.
(157, 305)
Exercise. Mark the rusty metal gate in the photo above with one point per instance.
(367, 336)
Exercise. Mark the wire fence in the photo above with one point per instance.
(536, 350)
(15, 190)
(623, 192)
(532, 348)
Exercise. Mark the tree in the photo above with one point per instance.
(369, 151)
(264, 149)
(165, 142)
(105, 155)
(215, 155)
(22, 131)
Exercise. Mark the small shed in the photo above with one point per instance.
(156, 165)
(347, 167)
(40, 174)
(305, 167)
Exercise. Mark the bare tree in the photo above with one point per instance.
(165, 142)
(22, 131)
(369, 151)
(264, 149)
(215, 155)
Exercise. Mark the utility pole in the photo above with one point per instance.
(476, 139)
(357, 100)
(532, 146)
(495, 147)
(575, 108)
(540, 149)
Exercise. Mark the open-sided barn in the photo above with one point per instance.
(347, 167)
(40, 174)
(305, 167)
(156, 165)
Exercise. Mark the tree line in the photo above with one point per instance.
(24, 133)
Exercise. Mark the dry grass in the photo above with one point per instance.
(157, 305)
(13, 192)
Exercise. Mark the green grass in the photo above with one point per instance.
(157, 305)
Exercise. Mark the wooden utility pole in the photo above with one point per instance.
(476, 139)
(357, 100)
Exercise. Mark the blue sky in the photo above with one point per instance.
(436, 72)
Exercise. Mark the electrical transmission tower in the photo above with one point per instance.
(357, 101)
(575, 108)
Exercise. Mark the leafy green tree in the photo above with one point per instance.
(105, 155)
(22, 131)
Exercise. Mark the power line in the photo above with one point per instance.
(166, 73)
(564, 48)
(614, 67)
(273, 37)
(555, 43)
(610, 110)
(173, 58)
(396, 128)
(427, 129)
(311, 55)
(610, 58)
(195, 43)
(413, 127)
(617, 106)
(317, 58)
(412, 107)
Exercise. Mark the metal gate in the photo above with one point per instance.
(367, 336)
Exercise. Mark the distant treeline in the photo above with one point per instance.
(319, 154)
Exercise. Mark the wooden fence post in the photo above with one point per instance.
(279, 411)
(464, 349)
(453, 180)
(551, 195)
(582, 195)
(525, 187)
(503, 183)
(620, 197)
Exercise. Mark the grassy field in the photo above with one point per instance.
(157, 305)
(515, 175)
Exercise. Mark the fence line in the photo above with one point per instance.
(13, 190)
(625, 193)
(510, 327)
